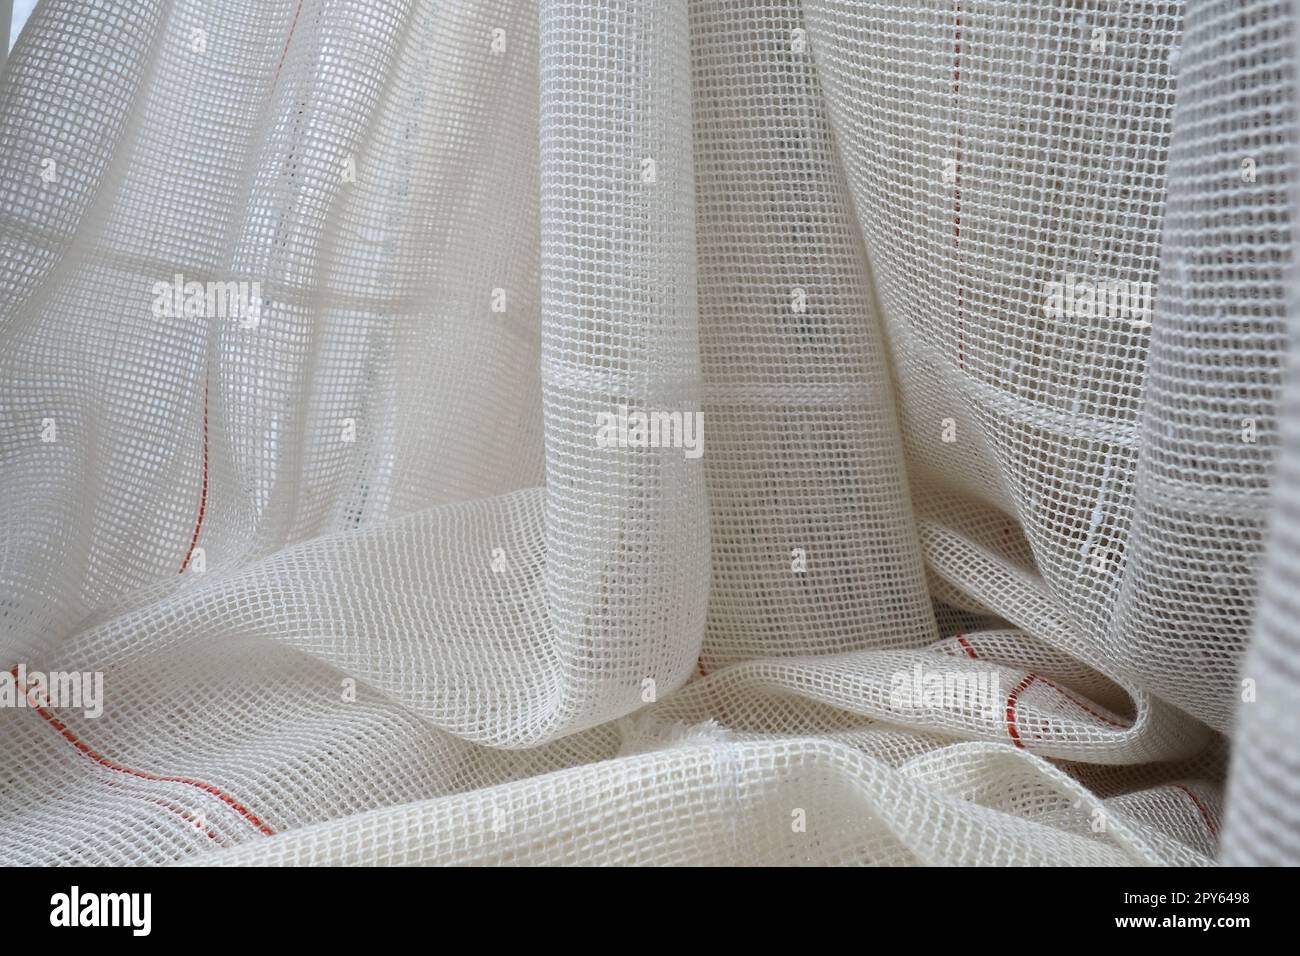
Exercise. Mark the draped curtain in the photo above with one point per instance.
(982, 305)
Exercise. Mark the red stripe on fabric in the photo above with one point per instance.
(66, 733)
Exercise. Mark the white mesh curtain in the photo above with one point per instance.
(984, 306)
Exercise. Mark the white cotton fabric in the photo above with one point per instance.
(362, 583)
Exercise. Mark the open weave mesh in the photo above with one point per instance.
(365, 585)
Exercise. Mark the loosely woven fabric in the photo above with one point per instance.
(983, 308)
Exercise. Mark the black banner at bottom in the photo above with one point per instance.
(218, 906)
